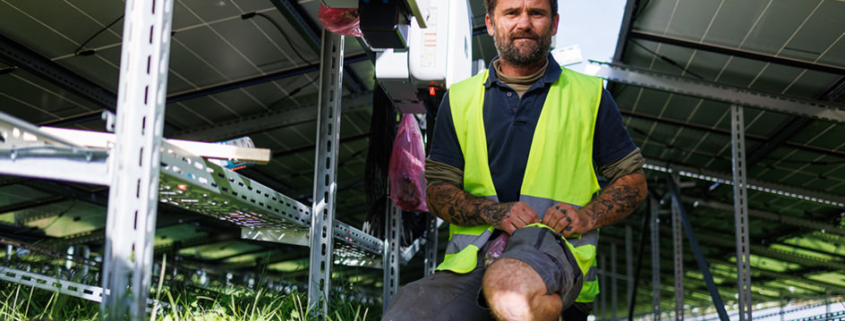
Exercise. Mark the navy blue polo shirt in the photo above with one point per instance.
(509, 123)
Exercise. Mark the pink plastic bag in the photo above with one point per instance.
(407, 167)
(342, 21)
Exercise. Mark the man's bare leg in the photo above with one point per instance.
(515, 291)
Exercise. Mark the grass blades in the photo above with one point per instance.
(20, 302)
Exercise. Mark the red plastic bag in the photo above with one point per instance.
(407, 167)
(342, 21)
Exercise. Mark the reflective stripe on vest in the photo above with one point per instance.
(559, 167)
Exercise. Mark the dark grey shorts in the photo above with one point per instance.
(545, 251)
(450, 296)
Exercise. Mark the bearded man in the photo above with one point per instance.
(513, 159)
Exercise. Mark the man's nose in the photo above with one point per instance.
(523, 21)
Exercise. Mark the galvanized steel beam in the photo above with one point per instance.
(133, 198)
(723, 93)
(325, 174)
(743, 257)
(696, 249)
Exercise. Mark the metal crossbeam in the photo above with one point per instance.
(754, 184)
(25, 150)
(790, 257)
(79, 290)
(718, 92)
(45, 68)
(774, 217)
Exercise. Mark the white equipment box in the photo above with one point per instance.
(437, 56)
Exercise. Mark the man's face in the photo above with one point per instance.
(522, 30)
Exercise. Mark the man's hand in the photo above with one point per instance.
(613, 204)
(517, 216)
(456, 206)
(566, 219)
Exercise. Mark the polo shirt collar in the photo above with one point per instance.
(551, 75)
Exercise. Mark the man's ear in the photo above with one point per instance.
(555, 23)
(489, 21)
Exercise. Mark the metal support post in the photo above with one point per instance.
(69, 258)
(603, 286)
(86, 257)
(743, 257)
(629, 261)
(391, 252)
(678, 247)
(655, 257)
(133, 199)
(696, 250)
(431, 245)
(614, 302)
(596, 306)
(325, 170)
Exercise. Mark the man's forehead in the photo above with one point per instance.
(511, 4)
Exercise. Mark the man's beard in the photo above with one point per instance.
(522, 55)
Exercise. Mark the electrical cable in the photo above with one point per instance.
(293, 92)
(92, 51)
(667, 59)
(282, 31)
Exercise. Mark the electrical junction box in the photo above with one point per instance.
(437, 57)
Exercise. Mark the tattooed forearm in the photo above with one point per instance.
(458, 207)
(617, 200)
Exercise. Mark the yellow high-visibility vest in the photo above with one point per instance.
(559, 168)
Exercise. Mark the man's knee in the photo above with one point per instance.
(515, 291)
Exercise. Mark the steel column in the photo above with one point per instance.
(677, 245)
(655, 257)
(629, 261)
(391, 259)
(133, 200)
(743, 257)
(431, 245)
(603, 286)
(614, 302)
(696, 249)
(325, 170)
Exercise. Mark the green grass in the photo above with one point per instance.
(19, 302)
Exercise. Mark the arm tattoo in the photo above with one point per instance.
(616, 202)
(459, 207)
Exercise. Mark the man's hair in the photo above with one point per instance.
(491, 4)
